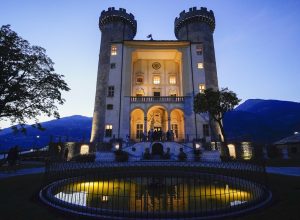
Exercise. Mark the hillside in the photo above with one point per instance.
(73, 128)
(258, 120)
(263, 121)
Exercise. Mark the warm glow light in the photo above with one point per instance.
(231, 148)
(108, 127)
(200, 65)
(156, 80)
(84, 149)
(82, 193)
(201, 88)
(113, 50)
(172, 80)
(117, 146)
(227, 188)
(247, 150)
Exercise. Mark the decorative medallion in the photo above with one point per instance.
(156, 65)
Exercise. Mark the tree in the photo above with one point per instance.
(29, 86)
(216, 103)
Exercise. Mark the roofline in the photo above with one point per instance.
(153, 43)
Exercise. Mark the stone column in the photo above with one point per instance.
(145, 124)
(129, 126)
(169, 123)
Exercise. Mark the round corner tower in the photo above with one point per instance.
(115, 26)
(197, 26)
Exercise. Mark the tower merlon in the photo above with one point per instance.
(117, 15)
(194, 14)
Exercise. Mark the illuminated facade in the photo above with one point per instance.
(149, 85)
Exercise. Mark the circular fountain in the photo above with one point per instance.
(165, 191)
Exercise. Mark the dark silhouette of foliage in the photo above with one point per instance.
(216, 103)
(29, 86)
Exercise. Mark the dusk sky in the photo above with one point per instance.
(256, 42)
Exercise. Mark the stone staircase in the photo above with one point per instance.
(210, 156)
(105, 156)
(136, 152)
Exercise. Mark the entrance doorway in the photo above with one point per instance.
(157, 149)
(157, 129)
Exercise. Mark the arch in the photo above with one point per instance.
(137, 123)
(138, 108)
(156, 105)
(177, 123)
(157, 118)
(157, 149)
(176, 108)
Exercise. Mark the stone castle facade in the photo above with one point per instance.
(147, 85)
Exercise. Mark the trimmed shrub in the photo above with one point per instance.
(197, 154)
(167, 154)
(121, 156)
(147, 155)
(84, 158)
(182, 156)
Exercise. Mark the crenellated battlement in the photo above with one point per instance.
(194, 14)
(114, 15)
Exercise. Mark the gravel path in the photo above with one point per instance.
(21, 172)
(289, 171)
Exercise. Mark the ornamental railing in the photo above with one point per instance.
(174, 99)
(155, 189)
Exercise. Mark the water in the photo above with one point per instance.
(156, 194)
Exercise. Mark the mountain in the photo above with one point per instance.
(263, 121)
(73, 128)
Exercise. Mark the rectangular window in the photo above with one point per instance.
(108, 130)
(139, 80)
(201, 88)
(139, 131)
(113, 50)
(200, 65)
(113, 65)
(172, 80)
(156, 80)
(109, 106)
(156, 95)
(205, 130)
(199, 49)
(111, 91)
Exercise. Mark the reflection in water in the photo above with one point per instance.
(147, 194)
(78, 198)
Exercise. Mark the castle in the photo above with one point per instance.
(149, 85)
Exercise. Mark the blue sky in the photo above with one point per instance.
(257, 42)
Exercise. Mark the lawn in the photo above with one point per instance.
(293, 162)
(19, 201)
(22, 165)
